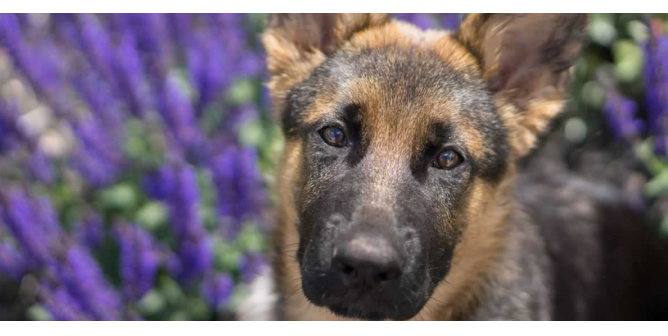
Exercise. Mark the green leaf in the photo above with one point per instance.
(242, 91)
(209, 217)
(227, 257)
(180, 76)
(602, 30)
(152, 216)
(628, 60)
(657, 185)
(206, 186)
(593, 94)
(251, 238)
(135, 148)
(171, 290)
(638, 31)
(252, 133)
(653, 163)
(122, 197)
(238, 295)
(179, 315)
(198, 309)
(38, 313)
(213, 115)
(152, 303)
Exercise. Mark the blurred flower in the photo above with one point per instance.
(251, 265)
(19, 214)
(143, 103)
(139, 260)
(451, 21)
(621, 114)
(183, 199)
(41, 167)
(655, 78)
(12, 261)
(422, 21)
(61, 305)
(237, 181)
(217, 289)
(90, 231)
(86, 285)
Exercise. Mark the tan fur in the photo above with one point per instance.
(474, 265)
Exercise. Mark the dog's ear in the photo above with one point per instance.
(526, 61)
(292, 39)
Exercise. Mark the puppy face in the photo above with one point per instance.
(397, 144)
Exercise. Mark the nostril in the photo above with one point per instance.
(386, 277)
(347, 271)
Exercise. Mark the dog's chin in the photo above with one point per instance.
(370, 315)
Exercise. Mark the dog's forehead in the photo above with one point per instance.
(404, 80)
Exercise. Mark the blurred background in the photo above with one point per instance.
(138, 152)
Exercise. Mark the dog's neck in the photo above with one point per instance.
(476, 262)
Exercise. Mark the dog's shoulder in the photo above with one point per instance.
(605, 258)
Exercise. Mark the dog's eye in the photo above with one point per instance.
(448, 159)
(333, 136)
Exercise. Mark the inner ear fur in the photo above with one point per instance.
(526, 61)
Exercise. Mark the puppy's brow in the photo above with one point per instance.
(441, 132)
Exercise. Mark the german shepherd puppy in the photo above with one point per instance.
(400, 196)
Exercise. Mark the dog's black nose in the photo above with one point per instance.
(366, 260)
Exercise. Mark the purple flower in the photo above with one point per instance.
(19, 214)
(195, 257)
(95, 136)
(94, 170)
(47, 217)
(217, 289)
(12, 261)
(422, 21)
(34, 224)
(621, 114)
(152, 35)
(97, 45)
(65, 27)
(98, 73)
(98, 156)
(90, 232)
(209, 67)
(238, 182)
(450, 21)
(42, 64)
(9, 133)
(85, 283)
(655, 79)
(139, 260)
(61, 305)
(131, 76)
(179, 116)
(251, 265)
(102, 101)
(41, 167)
(183, 200)
(181, 29)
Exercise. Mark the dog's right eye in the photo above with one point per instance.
(333, 136)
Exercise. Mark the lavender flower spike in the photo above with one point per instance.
(139, 260)
(217, 289)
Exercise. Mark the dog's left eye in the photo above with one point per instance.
(333, 136)
(448, 159)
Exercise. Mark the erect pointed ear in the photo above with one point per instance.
(526, 61)
(292, 38)
(297, 43)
